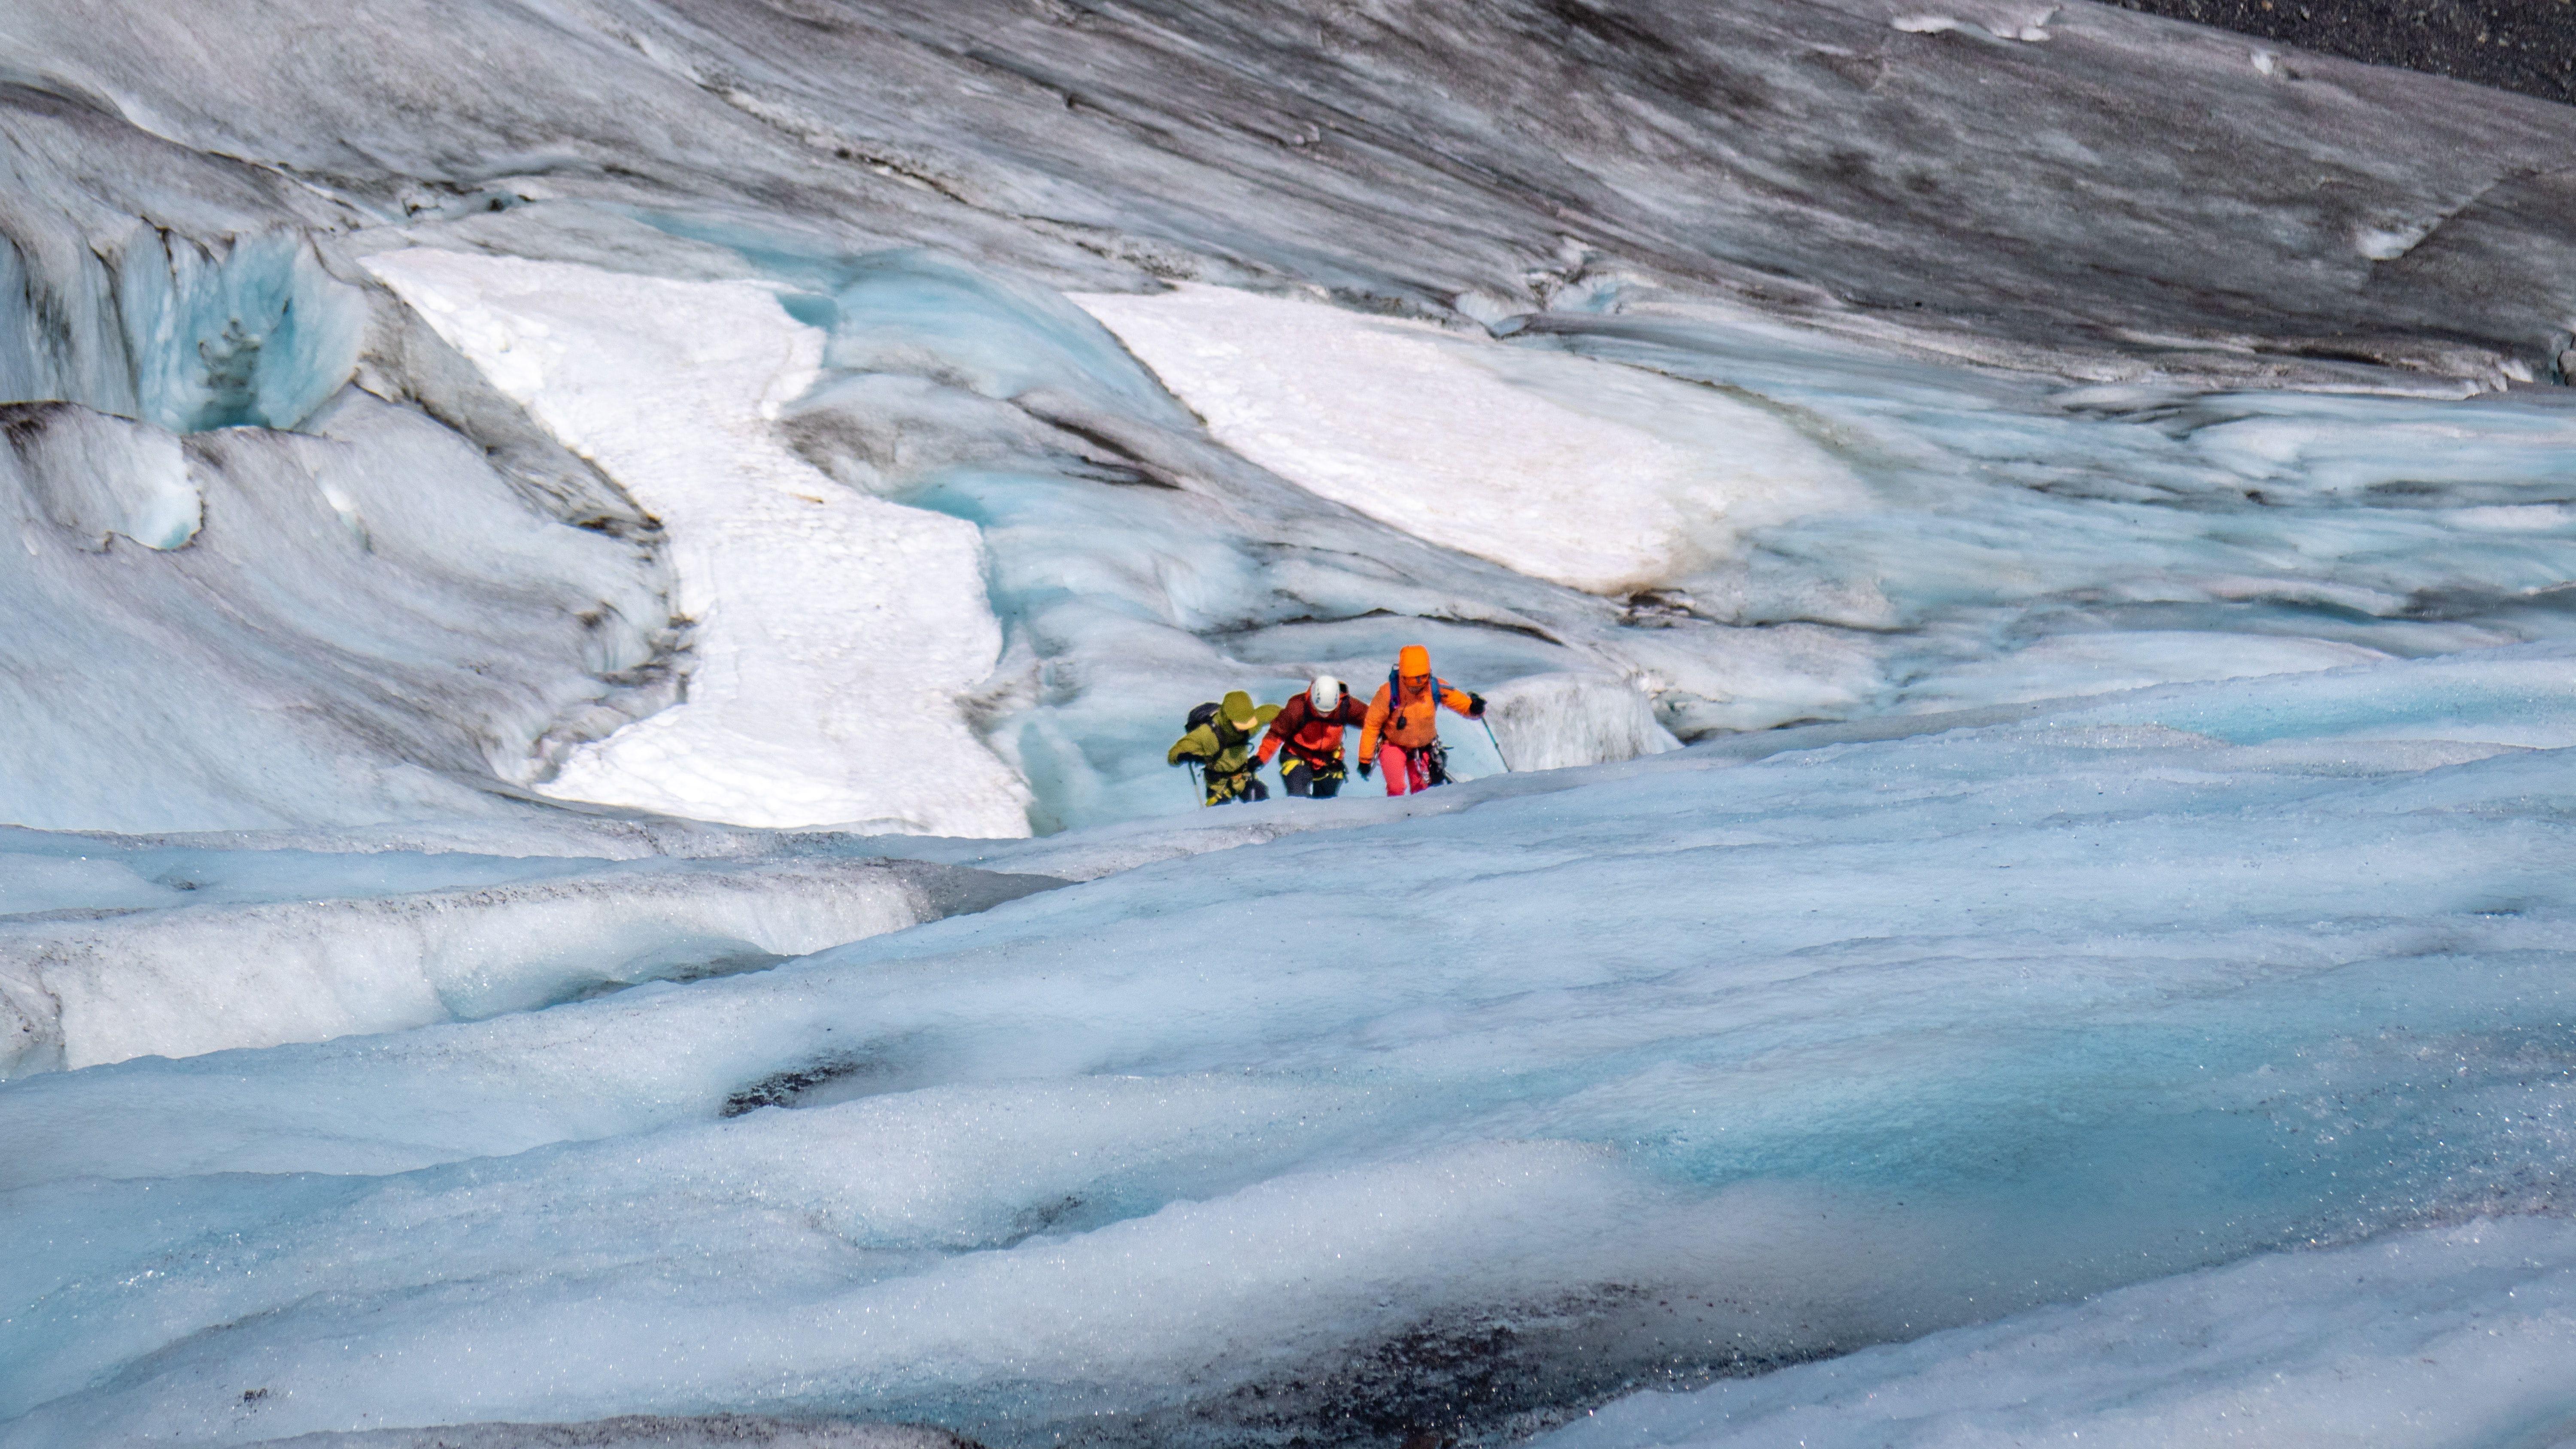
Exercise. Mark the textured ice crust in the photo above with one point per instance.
(1694, 1064)
(98, 476)
(717, 354)
(644, 1431)
(251, 628)
(2440, 1336)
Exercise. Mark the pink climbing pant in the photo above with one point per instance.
(1406, 771)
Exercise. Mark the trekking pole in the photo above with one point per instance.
(1497, 744)
(1197, 788)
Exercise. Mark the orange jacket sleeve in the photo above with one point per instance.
(1457, 700)
(1374, 726)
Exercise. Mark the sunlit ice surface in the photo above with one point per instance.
(597, 600)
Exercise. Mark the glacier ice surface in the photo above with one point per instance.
(358, 622)
(462, 454)
(81, 988)
(2457, 1334)
(1689, 1065)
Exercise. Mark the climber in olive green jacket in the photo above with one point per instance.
(1223, 747)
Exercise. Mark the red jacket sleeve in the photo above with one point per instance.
(1283, 725)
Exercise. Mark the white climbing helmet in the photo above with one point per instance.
(1325, 694)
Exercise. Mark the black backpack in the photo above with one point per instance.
(1199, 715)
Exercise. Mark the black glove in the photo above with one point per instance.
(1475, 706)
(1366, 769)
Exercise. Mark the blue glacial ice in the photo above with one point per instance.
(599, 589)
(1555, 1085)
(245, 330)
(2439, 1335)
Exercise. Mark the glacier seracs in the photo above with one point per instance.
(599, 588)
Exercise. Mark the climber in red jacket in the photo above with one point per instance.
(1309, 727)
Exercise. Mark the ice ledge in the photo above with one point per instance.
(94, 475)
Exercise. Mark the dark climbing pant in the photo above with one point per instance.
(1302, 778)
(1242, 785)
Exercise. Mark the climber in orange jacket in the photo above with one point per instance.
(1401, 734)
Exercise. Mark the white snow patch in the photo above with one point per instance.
(2515, 517)
(2387, 244)
(2034, 30)
(1594, 475)
(836, 631)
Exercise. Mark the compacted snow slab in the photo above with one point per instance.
(835, 632)
(1592, 475)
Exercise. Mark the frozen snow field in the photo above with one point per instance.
(597, 590)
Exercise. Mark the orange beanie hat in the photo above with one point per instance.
(1413, 661)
